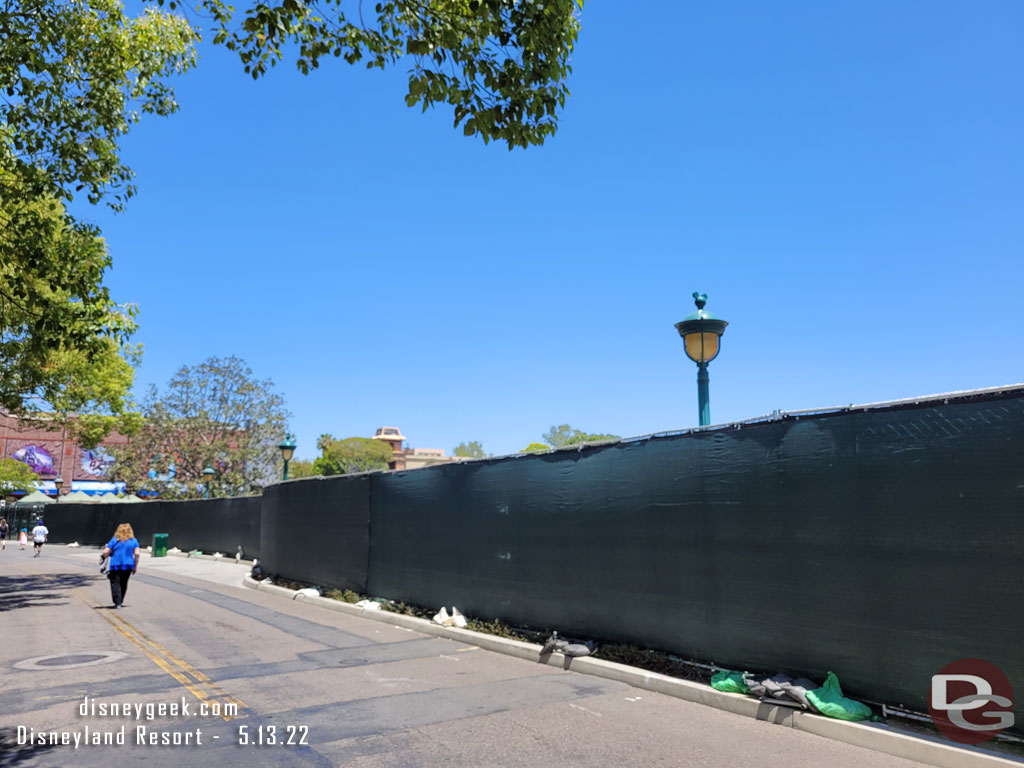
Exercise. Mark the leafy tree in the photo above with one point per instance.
(215, 414)
(16, 476)
(63, 341)
(75, 76)
(536, 448)
(500, 64)
(472, 450)
(563, 435)
(301, 468)
(353, 454)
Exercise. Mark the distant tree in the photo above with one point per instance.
(563, 435)
(352, 454)
(215, 414)
(536, 448)
(301, 468)
(471, 450)
(16, 476)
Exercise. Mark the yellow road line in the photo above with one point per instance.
(194, 681)
(183, 665)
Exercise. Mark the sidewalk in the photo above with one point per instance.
(223, 571)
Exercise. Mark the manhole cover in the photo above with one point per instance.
(69, 661)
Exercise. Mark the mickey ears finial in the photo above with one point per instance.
(700, 299)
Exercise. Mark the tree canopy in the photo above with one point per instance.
(73, 77)
(63, 340)
(501, 65)
(216, 415)
(301, 468)
(536, 448)
(472, 450)
(16, 476)
(352, 454)
(563, 435)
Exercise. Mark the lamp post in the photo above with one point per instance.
(208, 474)
(58, 482)
(287, 447)
(702, 333)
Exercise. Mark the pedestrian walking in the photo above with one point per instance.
(123, 551)
(23, 537)
(4, 530)
(39, 534)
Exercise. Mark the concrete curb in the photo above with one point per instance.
(880, 738)
(226, 559)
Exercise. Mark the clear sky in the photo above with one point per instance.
(845, 180)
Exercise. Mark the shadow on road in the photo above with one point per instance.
(12, 754)
(41, 589)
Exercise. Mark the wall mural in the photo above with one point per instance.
(162, 467)
(38, 459)
(96, 462)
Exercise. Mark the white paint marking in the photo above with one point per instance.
(584, 709)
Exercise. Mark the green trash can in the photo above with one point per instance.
(159, 545)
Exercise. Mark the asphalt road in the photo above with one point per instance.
(344, 690)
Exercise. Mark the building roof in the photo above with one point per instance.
(389, 433)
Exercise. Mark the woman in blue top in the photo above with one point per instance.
(123, 551)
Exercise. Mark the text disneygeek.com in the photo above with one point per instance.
(148, 736)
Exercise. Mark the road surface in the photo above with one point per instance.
(343, 690)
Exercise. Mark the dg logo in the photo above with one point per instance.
(971, 701)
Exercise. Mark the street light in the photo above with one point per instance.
(208, 474)
(287, 447)
(702, 333)
(58, 482)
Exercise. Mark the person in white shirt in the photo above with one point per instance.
(39, 534)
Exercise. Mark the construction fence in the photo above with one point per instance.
(880, 542)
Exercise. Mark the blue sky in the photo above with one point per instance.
(845, 180)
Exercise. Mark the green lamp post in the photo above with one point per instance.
(287, 447)
(702, 333)
(208, 474)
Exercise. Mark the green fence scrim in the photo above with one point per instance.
(317, 531)
(882, 542)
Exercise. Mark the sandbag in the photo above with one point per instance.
(829, 700)
(730, 682)
(797, 691)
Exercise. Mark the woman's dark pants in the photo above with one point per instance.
(118, 584)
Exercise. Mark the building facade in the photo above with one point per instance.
(51, 453)
(404, 457)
